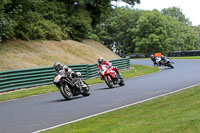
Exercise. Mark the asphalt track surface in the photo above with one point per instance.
(44, 111)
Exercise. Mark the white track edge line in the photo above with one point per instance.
(148, 99)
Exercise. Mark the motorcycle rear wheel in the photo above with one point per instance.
(66, 92)
(109, 83)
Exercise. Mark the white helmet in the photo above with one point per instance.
(66, 67)
(100, 60)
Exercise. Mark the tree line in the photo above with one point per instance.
(131, 31)
(52, 19)
(124, 30)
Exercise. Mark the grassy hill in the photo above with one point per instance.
(34, 54)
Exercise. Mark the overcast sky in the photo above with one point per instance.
(190, 8)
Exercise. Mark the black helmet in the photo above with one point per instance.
(100, 60)
(58, 66)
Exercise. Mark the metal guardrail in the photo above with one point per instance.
(184, 53)
(24, 78)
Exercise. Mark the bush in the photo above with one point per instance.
(93, 36)
(7, 28)
(45, 29)
(32, 26)
(79, 25)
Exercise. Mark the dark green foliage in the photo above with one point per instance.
(197, 33)
(6, 28)
(79, 25)
(176, 13)
(98, 9)
(52, 19)
(117, 30)
(129, 31)
(31, 22)
(130, 2)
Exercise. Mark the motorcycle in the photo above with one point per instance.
(111, 77)
(68, 89)
(168, 62)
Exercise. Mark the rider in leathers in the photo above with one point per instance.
(68, 72)
(101, 62)
(153, 58)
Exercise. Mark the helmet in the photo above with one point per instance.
(152, 56)
(58, 66)
(162, 57)
(66, 67)
(100, 60)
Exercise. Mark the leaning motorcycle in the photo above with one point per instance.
(111, 77)
(168, 62)
(68, 89)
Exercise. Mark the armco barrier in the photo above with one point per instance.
(24, 78)
(184, 53)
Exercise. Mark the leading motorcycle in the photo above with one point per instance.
(111, 77)
(168, 62)
(68, 89)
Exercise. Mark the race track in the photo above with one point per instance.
(43, 111)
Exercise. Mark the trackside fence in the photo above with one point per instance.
(24, 78)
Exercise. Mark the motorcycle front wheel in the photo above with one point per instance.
(108, 82)
(170, 65)
(86, 90)
(121, 83)
(66, 92)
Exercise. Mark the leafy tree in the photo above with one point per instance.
(116, 31)
(7, 27)
(129, 31)
(131, 2)
(197, 33)
(176, 13)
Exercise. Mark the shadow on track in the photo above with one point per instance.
(107, 88)
(167, 68)
(64, 100)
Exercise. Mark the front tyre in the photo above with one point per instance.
(86, 90)
(170, 65)
(66, 92)
(108, 82)
(121, 83)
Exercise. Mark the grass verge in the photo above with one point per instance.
(188, 57)
(137, 71)
(176, 113)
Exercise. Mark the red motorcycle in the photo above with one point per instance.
(111, 77)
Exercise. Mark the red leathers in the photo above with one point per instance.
(107, 64)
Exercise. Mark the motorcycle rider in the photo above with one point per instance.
(101, 62)
(153, 58)
(68, 72)
(164, 59)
